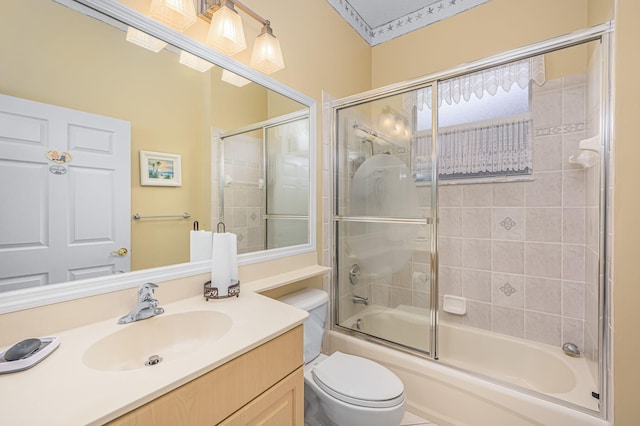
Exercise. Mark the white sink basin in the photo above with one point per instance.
(167, 336)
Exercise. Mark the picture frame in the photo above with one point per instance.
(160, 169)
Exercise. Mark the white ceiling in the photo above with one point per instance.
(378, 21)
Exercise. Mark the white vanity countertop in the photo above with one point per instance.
(62, 390)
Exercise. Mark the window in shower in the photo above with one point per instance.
(485, 127)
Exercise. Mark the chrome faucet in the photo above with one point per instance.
(360, 299)
(146, 307)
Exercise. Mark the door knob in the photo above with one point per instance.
(120, 252)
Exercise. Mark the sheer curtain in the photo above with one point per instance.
(495, 147)
(477, 83)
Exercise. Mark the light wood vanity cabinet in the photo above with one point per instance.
(262, 387)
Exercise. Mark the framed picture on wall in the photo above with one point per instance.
(160, 169)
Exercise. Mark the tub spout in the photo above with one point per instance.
(360, 299)
(571, 349)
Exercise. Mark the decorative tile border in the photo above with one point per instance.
(558, 130)
(433, 11)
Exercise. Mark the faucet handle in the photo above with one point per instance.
(145, 292)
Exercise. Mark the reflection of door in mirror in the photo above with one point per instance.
(266, 183)
(65, 176)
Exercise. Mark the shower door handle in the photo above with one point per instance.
(375, 219)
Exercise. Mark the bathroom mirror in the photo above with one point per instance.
(73, 54)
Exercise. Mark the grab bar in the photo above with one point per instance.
(374, 219)
(184, 215)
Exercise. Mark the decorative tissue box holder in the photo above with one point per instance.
(212, 292)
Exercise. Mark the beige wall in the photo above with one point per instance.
(73, 61)
(626, 289)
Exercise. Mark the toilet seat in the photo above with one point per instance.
(358, 381)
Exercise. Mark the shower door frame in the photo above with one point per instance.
(219, 141)
(600, 33)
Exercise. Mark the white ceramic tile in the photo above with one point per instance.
(450, 281)
(479, 195)
(543, 259)
(509, 321)
(573, 299)
(573, 189)
(573, 104)
(573, 225)
(476, 285)
(544, 224)
(545, 190)
(478, 315)
(476, 222)
(547, 153)
(543, 295)
(508, 256)
(450, 222)
(573, 262)
(476, 254)
(450, 195)
(544, 328)
(450, 251)
(509, 194)
(547, 108)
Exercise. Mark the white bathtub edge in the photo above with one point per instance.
(450, 397)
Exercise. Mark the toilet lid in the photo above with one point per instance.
(358, 381)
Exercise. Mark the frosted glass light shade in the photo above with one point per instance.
(178, 14)
(225, 32)
(234, 79)
(143, 39)
(194, 62)
(266, 55)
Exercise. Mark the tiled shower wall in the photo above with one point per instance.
(244, 199)
(516, 251)
(523, 254)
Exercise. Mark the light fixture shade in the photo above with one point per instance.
(225, 32)
(194, 62)
(143, 39)
(266, 55)
(234, 79)
(178, 14)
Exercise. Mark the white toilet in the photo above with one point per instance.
(342, 389)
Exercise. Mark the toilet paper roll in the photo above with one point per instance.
(200, 245)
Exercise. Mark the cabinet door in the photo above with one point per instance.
(281, 405)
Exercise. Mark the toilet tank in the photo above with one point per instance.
(315, 302)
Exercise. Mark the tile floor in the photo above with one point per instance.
(411, 419)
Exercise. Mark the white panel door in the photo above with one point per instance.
(63, 217)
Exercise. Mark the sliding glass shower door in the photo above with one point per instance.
(383, 214)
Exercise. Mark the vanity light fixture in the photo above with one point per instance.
(226, 34)
(194, 61)
(143, 39)
(178, 14)
(234, 79)
(267, 55)
(225, 31)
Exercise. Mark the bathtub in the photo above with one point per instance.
(460, 395)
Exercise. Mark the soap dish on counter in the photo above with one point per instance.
(36, 351)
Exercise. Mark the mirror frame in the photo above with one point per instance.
(116, 14)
